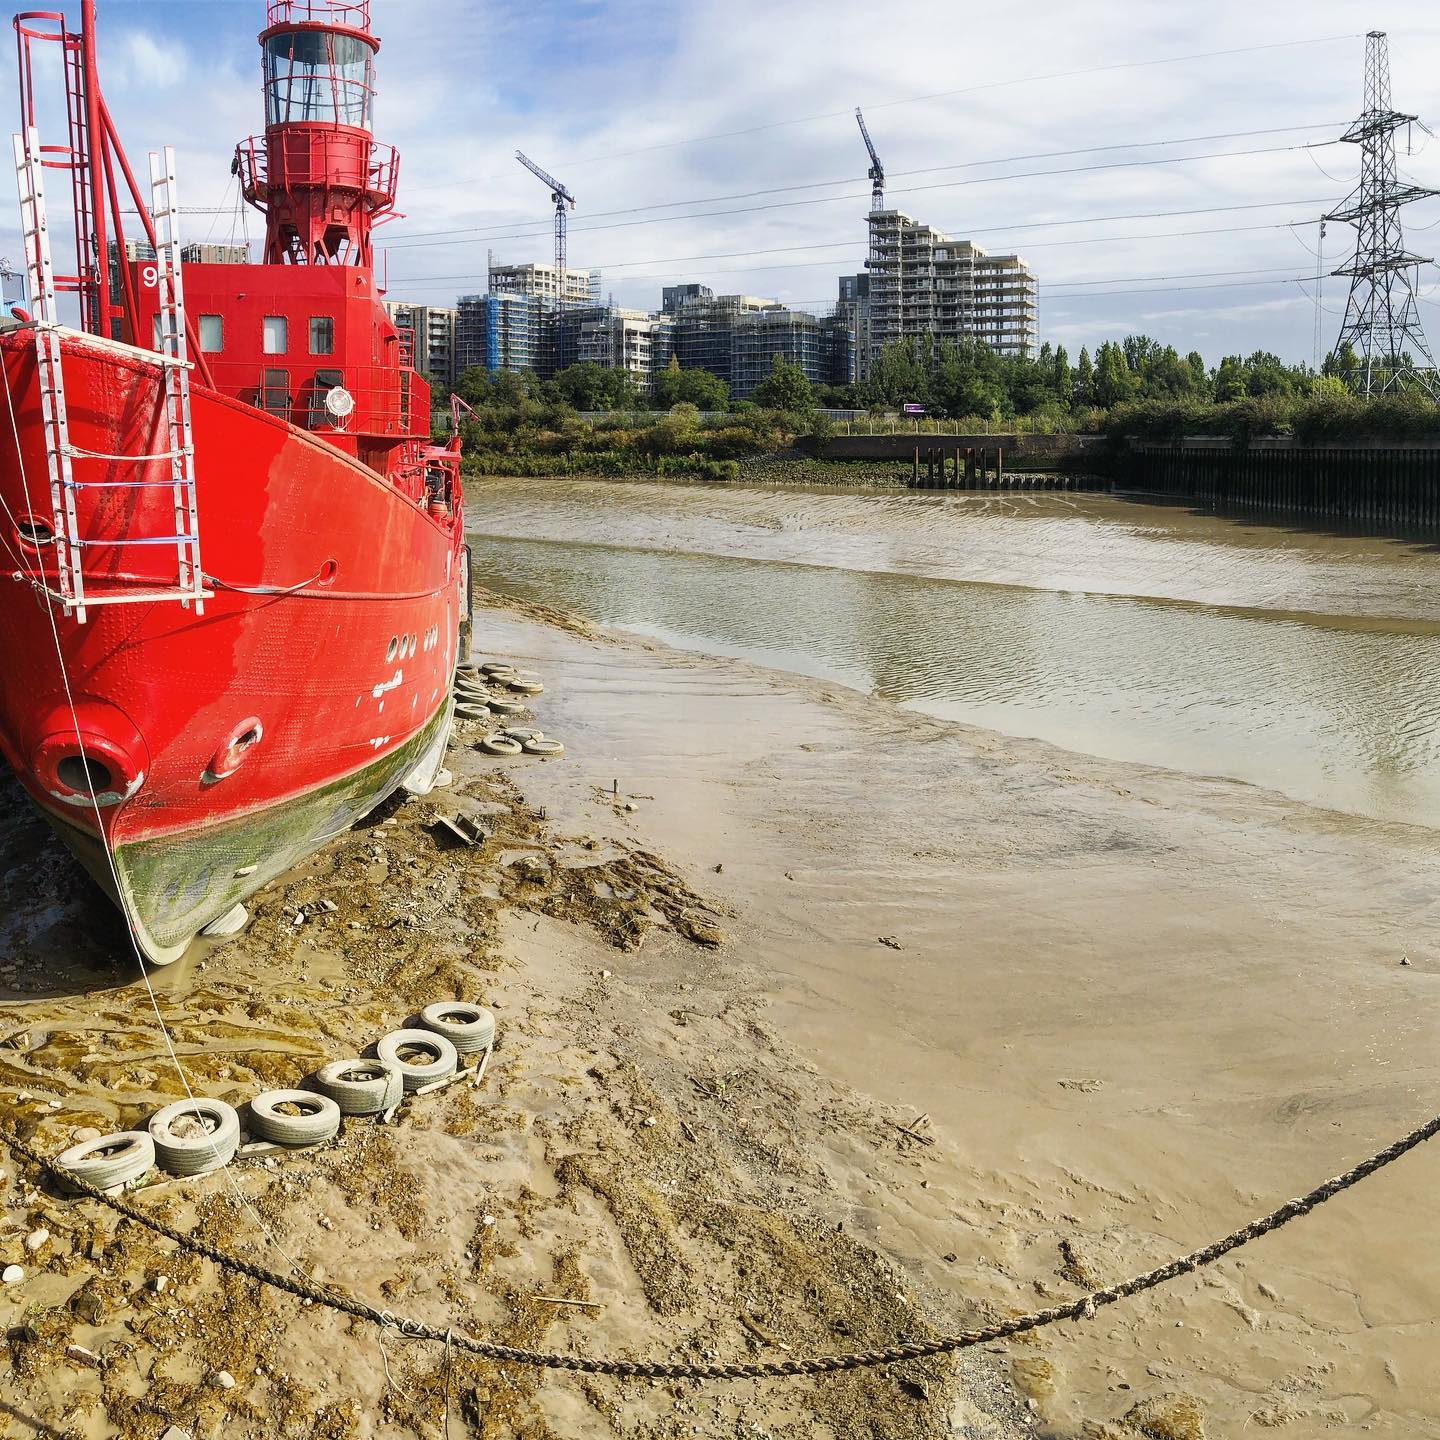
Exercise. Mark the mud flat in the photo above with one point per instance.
(1138, 1007)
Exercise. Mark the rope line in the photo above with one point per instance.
(1082, 1309)
(121, 894)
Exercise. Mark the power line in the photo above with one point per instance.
(1193, 275)
(848, 242)
(923, 170)
(933, 95)
(820, 264)
(910, 190)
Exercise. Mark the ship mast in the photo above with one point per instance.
(317, 173)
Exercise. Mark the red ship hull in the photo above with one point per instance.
(230, 743)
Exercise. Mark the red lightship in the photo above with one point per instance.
(236, 582)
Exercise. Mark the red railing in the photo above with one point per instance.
(384, 397)
(317, 166)
(353, 13)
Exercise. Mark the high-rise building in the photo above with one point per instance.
(738, 336)
(209, 253)
(924, 282)
(673, 298)
(433, 331)
(582, 287)
(822, 348)
(853, 307)
(501, 332)
(615, 339)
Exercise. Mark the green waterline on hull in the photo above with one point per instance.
(177, 884)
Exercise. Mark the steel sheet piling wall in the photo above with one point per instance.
(1390, 486)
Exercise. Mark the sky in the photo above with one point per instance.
(715, 141)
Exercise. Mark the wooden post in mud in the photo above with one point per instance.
(915, 468)
(970, 465)
(999, 466)
(957, 467)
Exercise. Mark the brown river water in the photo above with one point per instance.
(1289, 657)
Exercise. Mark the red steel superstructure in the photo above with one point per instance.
(237, 582)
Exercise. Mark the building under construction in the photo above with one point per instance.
(737, 337)
(582, 287)
(924, 282)
(508, 331)
(615, 339)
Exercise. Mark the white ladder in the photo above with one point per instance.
(180, 442)
(61, 453)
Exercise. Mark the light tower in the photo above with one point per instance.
(1382, 321)
(318, 173)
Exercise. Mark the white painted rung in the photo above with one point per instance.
(50, 336)
(137, 597)
(136, 540)
(76, 453)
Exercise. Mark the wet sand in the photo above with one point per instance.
(1138, 1007)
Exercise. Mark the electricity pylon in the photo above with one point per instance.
(1382, 320)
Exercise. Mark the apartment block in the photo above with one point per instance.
(433, 331)
(705, 326)
(501, 332)
(924, 282)
(616, 339)
(581, 287)
(208, 253)
(822, 348)
(853, 307)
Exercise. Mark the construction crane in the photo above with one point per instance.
(561, 198)
(877, 170)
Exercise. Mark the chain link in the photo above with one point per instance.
(1082, 1309)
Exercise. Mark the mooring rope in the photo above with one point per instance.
(1082, 1309)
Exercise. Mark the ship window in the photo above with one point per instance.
(276, 335)
(325, 382)
(275, 392)
(317, 75)
(212, 334)
(322, 335)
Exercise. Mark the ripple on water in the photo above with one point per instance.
(1298, 661)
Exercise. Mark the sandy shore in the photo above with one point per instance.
(1137, 1007)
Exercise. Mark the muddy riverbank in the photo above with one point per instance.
(1137, 1006)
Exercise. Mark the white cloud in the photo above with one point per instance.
(598, 92)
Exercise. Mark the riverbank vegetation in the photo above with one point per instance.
(593, 421)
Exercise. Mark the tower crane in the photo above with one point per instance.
(877, 170)
(561, 198)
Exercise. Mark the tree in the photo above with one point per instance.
(1113, 380)
(674, 386)
(589, 386)
(1064, 381)
(1083, 392)
(785, 387)
(899, 375)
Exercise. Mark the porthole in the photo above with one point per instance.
(393, 648)
(84, 775)
(33, 532)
